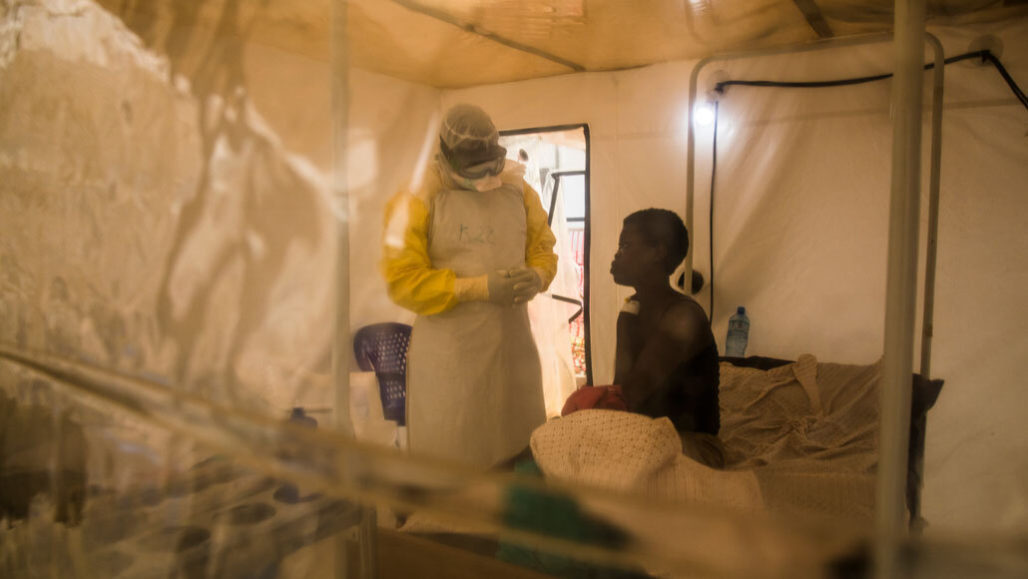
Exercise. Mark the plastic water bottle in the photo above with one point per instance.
(738, 334)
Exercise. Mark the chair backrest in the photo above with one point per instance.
(382, 348)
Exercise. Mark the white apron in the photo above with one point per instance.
(474, 386)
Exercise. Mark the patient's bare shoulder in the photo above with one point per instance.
(685, 321)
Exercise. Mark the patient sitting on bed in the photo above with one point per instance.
(666, 362)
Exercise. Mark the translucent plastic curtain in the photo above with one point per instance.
(550, 316)
(154, 222)
(157, 223)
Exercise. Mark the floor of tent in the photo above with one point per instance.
(443, 556)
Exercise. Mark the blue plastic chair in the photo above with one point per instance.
(382, 348)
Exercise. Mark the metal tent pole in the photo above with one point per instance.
(934, 183)
(365, 537)
(901, 285)
(341, 198)
(927, 326)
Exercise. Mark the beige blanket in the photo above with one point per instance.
(799, 438)
(628, 452)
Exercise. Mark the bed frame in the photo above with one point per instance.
(924, 393)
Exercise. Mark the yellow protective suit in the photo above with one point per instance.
(414, 283)
(474, 380)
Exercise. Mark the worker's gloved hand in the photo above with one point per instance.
(501, 288)
(526, 285)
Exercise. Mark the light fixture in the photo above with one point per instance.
(703, 114)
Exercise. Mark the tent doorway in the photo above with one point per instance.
(556, 161)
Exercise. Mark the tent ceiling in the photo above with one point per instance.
(459, 43)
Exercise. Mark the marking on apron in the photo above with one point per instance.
(476, 234)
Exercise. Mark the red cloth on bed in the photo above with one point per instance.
(604, 397)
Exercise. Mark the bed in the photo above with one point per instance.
(801, 440)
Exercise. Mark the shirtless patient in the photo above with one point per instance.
(666, 358)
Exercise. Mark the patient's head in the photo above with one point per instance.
(653, 242)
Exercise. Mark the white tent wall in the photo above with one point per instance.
(801, 228)
(976, 466)
(389, 121)
(801, 207)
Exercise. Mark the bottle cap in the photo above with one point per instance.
(741, 310)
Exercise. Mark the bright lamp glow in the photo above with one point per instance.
(703, 114)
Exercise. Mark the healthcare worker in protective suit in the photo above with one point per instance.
(466, 251)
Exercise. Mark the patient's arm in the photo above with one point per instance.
(623, 351)
(679, 336)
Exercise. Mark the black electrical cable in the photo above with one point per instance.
(985, 55)
(1006, 76)
(710, 227)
